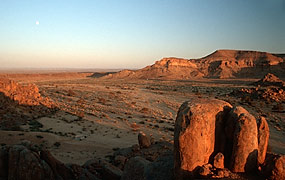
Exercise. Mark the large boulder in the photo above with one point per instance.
(135, 169)
(59, 168)
(245, 144)
(26, 164)
(212, 131)
(25, 161)
(199, 133)
(103, 169)
(263, 138)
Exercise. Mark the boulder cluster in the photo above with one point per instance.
(27, 161)
(212, 139)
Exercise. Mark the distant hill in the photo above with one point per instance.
(220, 64)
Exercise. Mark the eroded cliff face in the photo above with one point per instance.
(220, 64)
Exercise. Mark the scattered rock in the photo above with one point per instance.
(144, 140)
(219, 161)
(270, 80)
(135, 169)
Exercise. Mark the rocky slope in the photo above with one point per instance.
(212, 140)
(19, 104)
(220, 64)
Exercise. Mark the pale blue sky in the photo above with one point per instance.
(133, 33)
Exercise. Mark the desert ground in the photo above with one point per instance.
(97, 116)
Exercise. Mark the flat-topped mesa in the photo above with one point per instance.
(240, 54)
(171, 61)
(219, 64)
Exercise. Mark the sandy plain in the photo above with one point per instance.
(97, 116)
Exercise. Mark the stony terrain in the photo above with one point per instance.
(220, 64)
(101, 118)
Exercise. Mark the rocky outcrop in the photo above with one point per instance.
(268, 94)
(245, 144)
(18, 104)
(270, 80)
(24, 161)
(135, 168)
(198, 127)
(220, 64)
(23, 95)
(212, 131)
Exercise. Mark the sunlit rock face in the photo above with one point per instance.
(220, 64)
(208, 130)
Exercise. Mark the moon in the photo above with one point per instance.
(37, 22)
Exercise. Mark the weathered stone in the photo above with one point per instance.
(103, 169)
(59, 169)
(25, 164)
(144, 140)
(119, 161)
(135, 169)
(161, 168)
(219, 161)
(274, 166)
(263, 138)
(245, 144)
(81, 173)
(199, 133)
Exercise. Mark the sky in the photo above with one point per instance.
(133, 33)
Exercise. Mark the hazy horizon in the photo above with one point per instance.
(133, 34)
